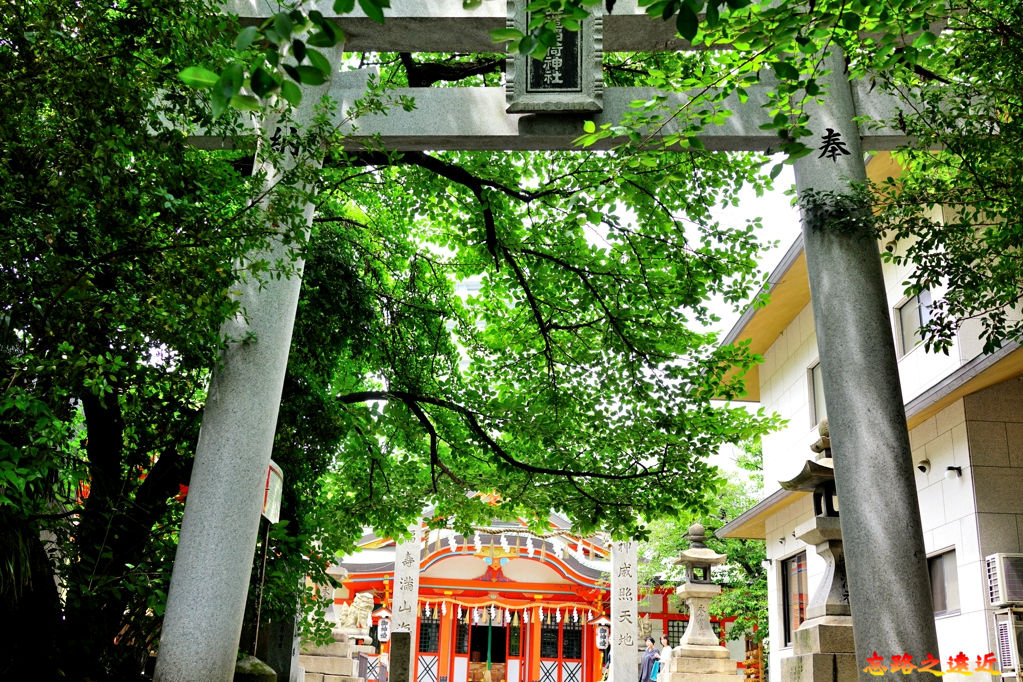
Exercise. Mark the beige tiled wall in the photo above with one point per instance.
(785, 390)
(947, 513)
(995, 433)
(980, 513)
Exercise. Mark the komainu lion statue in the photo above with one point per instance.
(356, 616)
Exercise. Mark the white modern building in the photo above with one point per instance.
(965, 416)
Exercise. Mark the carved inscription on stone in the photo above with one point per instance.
(561, 68)
(567, 78)
(625, 638)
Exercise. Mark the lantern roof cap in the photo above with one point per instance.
(815, 472)
(698, 552)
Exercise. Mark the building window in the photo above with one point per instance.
(818, 410)
(571, 640)
(944, 583)
(676, 628)
(549, 640)
(429, 634)
(911, 316)
(794, 595)
(462, 638)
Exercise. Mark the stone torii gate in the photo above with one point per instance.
(880, 520)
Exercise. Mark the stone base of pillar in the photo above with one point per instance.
(824, 652)
(819, 668)
(825, 635)
(704, 677)
(695, 663)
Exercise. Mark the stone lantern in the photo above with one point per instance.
(699, 589)
(699, 657)
(823, 648)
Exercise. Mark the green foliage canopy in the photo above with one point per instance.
(743, 577)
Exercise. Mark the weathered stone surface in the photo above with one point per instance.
(209, 583)
(689, 651)
(280, 647)
(699, 590)
(251, 669)
(341, 678)
(447, 26)
(692, 664)
(699, 633)
(342, 649)
(703, 677)
(829, 635)
(327, 664)
(876, 485)
(831, 596)
(819, 668)
(625, 638)
(401, 650)
(475, 118)
(567, 79)
(313, 677)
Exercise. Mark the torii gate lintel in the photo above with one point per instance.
(873, 466)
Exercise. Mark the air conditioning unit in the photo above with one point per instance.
(1004, 579)
(1009, 640)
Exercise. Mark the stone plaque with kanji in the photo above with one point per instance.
(567, 79)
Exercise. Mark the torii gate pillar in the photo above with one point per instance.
(880, 519)
(209, 583)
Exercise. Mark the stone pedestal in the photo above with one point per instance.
(817, 667)
(699, 657)
(701, 663)
(831, 598)
(335, 662)
(697, 597)
(824, 652)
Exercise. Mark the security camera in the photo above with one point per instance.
(924, 465)
(889, 246)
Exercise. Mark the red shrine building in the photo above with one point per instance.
(526, 606)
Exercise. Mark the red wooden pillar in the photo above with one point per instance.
(533, 665)
(447, 646)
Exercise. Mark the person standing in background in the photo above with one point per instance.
(646, 665)
(665, 658)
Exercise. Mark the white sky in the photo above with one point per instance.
(780, 223)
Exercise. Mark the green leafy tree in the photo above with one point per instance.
(955, 214)
(117, 251)
(566, 382)
(561, 382)
(743, 577)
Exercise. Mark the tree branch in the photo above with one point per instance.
(473, 423)
(425, 74)
(435, 462)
